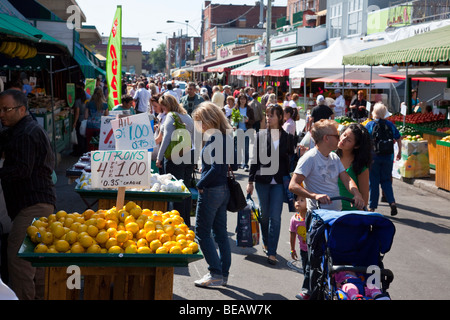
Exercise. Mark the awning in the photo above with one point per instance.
(15, 28)
(232, 65)
(429, 47)
(416, 75)
(281, 67)
(204, 67)
(89, 69)
(252, 68)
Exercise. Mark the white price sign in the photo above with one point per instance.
(120, 168)
(133, 132)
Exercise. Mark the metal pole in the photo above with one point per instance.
(53, 111)
(268, 30)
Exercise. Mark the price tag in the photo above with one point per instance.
(106, 139)
(120, 168)
(133, 132)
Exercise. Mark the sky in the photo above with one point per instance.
(143, 18)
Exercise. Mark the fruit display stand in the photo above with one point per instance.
(108, 276)
(443, 164)
(432, 137)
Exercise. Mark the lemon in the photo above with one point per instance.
(61, 214)
(155, 244)
(141, 221)
(165, 237)
(123, 214)
(75, 226)
(193, 246)
(187, 250)
(180, 236)
(159, 232)
(102, 237)
(101, 223)
(111, 224)
(144, 250)
(142, 243)
(161, 250)
(39, 223)
(140, 234)
(121, 236)
(182, 243)
(156, 217)
(115, 249)
(71, 237)
(62, 245)
(168, 221)
(146, 212)
(149, 225)
(169, 229)
(111, 215)
(136, 212)
(177, 220)
(86, 241)
(77, 248)
(58, 231)
(32, 230)
(150, 236)
(111, 242)
(112, 232)
(40, 248)
(68, 222)
(129, 219)
(91, 222)
(52, 249)
(132, 226)
(95, 248)
(88, 214)
(128, 243)
(169, 244)
(132, 249)
(130, 205)
(51, 218)
(92, 230)
(189, 236)
(175, 250)
(83, 228)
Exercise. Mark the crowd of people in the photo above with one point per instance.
(333, 163)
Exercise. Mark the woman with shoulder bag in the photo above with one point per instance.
(213, 193)
(277, 145)
(184, 170)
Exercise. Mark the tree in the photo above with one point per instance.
(157, 58)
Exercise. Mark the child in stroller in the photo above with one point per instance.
(344, 246)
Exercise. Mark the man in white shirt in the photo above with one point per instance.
(171, 91)
(339, 104)
(142, 99)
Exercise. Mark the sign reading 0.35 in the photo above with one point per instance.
(120, 168)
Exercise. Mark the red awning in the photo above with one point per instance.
(402, 76)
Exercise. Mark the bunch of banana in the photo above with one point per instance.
(17, 49)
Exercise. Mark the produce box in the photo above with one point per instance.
(443, 165)
(414, 159)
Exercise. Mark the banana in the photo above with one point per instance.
(3, 46)
(10, 48)
(31, 53)
(24, 52)
(17, 49)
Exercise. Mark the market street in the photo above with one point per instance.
(419, 258)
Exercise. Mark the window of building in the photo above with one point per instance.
(355, 16)
(336, 20)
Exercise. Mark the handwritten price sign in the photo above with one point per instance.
(133, 133)
(120, 168)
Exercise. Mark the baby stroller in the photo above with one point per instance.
(348, 241)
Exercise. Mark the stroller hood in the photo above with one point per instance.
(356, 237)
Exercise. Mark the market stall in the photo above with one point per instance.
(442, 163)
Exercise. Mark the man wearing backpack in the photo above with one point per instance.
(384, 134)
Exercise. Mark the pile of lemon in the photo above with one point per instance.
(127, 230)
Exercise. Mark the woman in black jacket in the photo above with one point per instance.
(273, 150)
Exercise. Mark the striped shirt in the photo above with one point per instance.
(28, 166)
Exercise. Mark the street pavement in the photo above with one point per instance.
(419, 258)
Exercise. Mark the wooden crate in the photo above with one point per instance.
(443, 165)
(111, 283)
(431, 147)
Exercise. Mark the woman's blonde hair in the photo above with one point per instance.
(211, 116)
(171, 104)
(98, 98)
(272, 99)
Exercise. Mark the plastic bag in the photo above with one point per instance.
(73, 137)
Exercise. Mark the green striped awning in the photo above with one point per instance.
(429, 47)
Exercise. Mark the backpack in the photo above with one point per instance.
(383, 138)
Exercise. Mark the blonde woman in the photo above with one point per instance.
(213, 194)
(184, 170)
(95, 109)
(272, 99)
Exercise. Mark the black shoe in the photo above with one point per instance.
(393, 209)
(383, 199)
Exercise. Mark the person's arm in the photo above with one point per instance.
(399, 144)
(169, 128)
(86, 113)
(353, 189)
(76, 116)
(292, 239)
(295, 186)
(363, 183)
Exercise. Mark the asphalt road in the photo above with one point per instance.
(419, 258)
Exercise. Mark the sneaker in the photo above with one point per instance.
(358, 297)
(302, 296)
(382, 296)
(209, 280)
(393, 209)
(224, 281)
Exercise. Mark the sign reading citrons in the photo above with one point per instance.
(128, 230)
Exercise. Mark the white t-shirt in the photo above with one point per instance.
(144, 99)
(321, 176)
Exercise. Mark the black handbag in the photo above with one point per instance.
(237, 199)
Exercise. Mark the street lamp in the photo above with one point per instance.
(188, 25)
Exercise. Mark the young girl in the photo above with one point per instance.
(297, 228)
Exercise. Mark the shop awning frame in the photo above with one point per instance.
(232, 65)
(204, 67)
